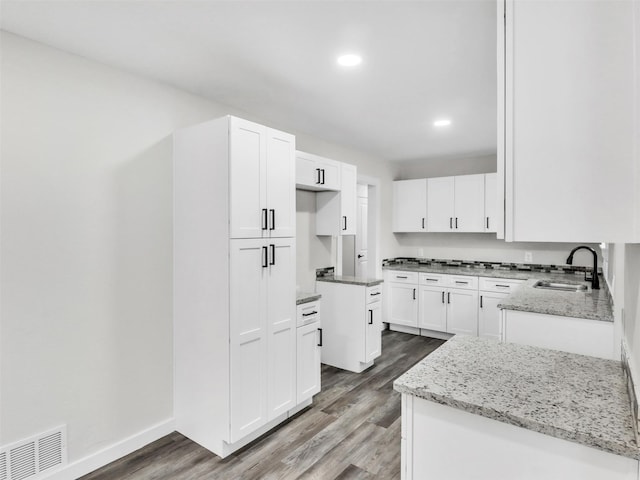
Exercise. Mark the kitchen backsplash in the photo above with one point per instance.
(325, 272)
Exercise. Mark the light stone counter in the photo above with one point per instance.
(572, 397)
(367, 282)
(305, 297)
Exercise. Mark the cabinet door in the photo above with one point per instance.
(403, 304)
(489, 314)
(373, 335)
(432, 309)
(462, 312)
(410, 205)
(281, 190)
(247, 181)
(248, 337)
(440, 204)
(330, 172)
(308, 361)
(281, 324)
(469, 203)
(307, 173)
(348, 199)
(490, 202)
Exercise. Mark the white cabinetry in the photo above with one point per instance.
(570, 125)
(469, 203)
(309, 343)
(491, 202)
(234, 298)
(440, 204)
(569, 334)
(401, 304)
(352, 325)
(261, 179)
(410, 205)
(336, 212)
(316, 173)
(492, 291)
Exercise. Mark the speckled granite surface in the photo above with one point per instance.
(594, 304)
(367, 282)
(305, 297)
(573, 397)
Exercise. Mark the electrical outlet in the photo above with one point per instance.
(528, 257)
(421, 252)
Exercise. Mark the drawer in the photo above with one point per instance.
(403, 277)
(462, 281)
(308, 313)
(432, 279)
(503, 285)
(374, 294)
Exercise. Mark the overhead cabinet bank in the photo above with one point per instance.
(234, 282)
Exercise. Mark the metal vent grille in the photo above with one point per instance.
(29, 458)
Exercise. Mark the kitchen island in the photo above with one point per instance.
(480, 409)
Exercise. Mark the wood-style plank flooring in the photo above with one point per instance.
(352, 431)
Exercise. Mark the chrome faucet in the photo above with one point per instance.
(595, 283)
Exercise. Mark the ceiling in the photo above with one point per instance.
(422, 61)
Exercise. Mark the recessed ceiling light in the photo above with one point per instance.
(442, 123)
(349, 60)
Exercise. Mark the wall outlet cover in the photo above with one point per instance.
(421, 252)
(528, 256)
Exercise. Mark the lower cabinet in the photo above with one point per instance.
(450, 310)
(308, 344)
(351, 324)
(489, 314)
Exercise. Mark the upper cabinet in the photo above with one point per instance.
(316, 173)
(490, 202)
(440, 204)
(566, 119)
(336, 211)
(410, 205)
(262, 181)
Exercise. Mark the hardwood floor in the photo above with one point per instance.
(352, 431)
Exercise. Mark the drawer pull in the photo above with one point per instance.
(462, 283)
(502, 286)
(398, 276)
(309, 314)
(374, 294)
(431, 279)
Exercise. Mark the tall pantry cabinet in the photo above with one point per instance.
(234, 281)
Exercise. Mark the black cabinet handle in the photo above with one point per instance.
(456, 222)
(442, 297)
(309, 314)
(450, 222)
(273, 254)
(414, 293)
(264, 219)
(480, 301)
(463, 283)
(423, 223)
(487, 223)
(502, 286)
(448, 297)
(345, 222)
(320, 341)
(265, 260)
(318, 179)
(431, 279)
(322, 176)
(398, 276)
(374, 294)
(370, 317)
(273, 219)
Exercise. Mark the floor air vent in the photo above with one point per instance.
(31, 458)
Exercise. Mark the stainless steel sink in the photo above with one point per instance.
(561, 287)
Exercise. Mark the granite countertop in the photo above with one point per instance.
(305, 297)
(367, 282)
(593, 304)
(573, 397)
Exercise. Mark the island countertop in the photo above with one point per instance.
(351, 280)
(573, 397)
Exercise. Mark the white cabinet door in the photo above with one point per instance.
(248, 185)
(316, 173)
(462, 312)
(373, 336)
(308, 361)
(307, 175)
(410, 205)
(248, 337)
(329, 174)
(403, 304)
(489, 314)
(469, 203)
(440, 204)
(349, 199)
(281, 324)
(432, 309)
(281, 192)
(490, 202)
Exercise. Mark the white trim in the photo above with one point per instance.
(113, 452)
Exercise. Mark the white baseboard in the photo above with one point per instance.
(113, 452)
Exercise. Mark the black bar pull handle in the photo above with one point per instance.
(480, 301)
(309, 314)
(423, 222)
(273, 219)
(487, 223)
(463, 283)
(456, 222)
(374, 294)
(450, 222)
(370, 317)
(398, 276)
(345, 222)
(442, 297)
(265, 260)
(318, 176)
(273, 254)
(414, 293)
(448, 297)
(323, 176)
(264, 219)
(320, 341)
